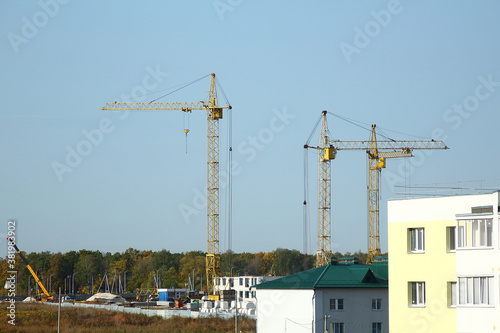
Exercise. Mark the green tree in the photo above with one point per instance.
(360, 255)
(57, 272)
(141, 271)
(163, 258)
(241, 263)
(256, 265)
(87, 269)
(192, 262)
(288, 262)
(170, 278)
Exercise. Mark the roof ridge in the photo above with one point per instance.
(320, 276)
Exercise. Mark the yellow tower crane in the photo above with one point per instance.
(325, 155)
(378, 152)
(214, 113)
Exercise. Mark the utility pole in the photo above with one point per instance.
(59, 313)
(236, 313)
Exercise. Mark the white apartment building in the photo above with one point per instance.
(444, 264)
(242, 285)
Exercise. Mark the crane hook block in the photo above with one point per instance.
(186, 131)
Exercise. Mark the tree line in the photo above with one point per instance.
(86, 272)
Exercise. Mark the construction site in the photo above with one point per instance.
(225, 295)
(280, 167)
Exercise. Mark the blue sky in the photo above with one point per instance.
(429, 69)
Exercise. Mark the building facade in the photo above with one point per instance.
(335, 298)
(242, 284)
(444, 264)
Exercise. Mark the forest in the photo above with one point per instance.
(87, 272)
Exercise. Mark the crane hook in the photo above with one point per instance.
(186, 131)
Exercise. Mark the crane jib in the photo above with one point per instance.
(183, 106)
(364, 145)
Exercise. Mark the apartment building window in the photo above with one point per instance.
(376, 304)
(247, 282)
(241, 281)
(416, 240)
(475, 290)
(451, 245)
(417, 293)
(241, 294)
(475, 233)
(376, 327)
(452, 293)
(337, 327)
(336, 304)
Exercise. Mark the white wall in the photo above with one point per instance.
(284, 310)
(481, 262)
(435, 209)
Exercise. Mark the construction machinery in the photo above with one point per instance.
(378, 152)
(42, 296)
(325, 155)
(214, 113)
(145, 294)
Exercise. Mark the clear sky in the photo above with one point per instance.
(426, 68)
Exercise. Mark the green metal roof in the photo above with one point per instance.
(381, 268)
(333, 275)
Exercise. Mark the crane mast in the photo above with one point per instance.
(213, 254)
(325, 155)
(214, 113)
(324, 196)
(373, 198)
